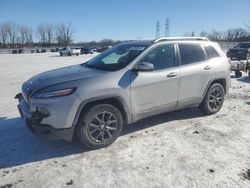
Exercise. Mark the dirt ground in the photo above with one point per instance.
(178, 149)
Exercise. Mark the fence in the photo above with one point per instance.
(224, 45)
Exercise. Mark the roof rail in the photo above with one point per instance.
(180, 38)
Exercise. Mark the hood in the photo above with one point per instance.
(237, 53)
(60, 75)
(238, 49)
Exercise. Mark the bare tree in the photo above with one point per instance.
(64, 34)
(215, 35)
(248, 26)
(26, 35)
(11, 30)
(236, 34)
(106, 42)
(22, 30)
(203, 34)
(29, 36)
(45, 33)
(3, 34)
(49, 32)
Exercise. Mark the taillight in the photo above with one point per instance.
(229, 60)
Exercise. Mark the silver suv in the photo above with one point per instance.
(130, 81)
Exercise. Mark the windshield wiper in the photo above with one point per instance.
(94, 67)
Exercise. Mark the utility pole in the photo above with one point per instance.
(167, 28)
(157, 33)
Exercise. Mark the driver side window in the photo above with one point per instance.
(162, 57)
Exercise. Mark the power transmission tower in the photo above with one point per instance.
(167, 27)
(157, 33)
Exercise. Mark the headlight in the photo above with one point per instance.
(58, 93)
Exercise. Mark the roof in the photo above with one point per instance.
(139, 42)
(181, 39)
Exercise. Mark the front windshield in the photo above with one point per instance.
(117, 57)
(243, 45)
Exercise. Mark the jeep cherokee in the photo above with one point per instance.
(130, 81)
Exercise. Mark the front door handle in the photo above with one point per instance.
(207, 67)
(172, 74)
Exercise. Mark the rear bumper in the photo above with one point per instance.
(34, 119)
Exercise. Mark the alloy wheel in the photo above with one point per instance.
(102, 126)
(215, 99)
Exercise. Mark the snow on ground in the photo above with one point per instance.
(177, 149)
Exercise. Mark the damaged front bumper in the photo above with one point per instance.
(33, 121)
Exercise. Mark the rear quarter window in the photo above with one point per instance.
(191, 53)
(211, 52)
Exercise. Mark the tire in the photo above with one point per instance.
(238, 74)
(77, 54)
(69, 54)
(95, 132)
(61, 54)
(213, 100)
(249, 73)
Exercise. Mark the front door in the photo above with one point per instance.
(157, 89)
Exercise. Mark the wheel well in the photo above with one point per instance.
(221, 81)
(112, 101)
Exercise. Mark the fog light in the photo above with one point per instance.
(43, 112)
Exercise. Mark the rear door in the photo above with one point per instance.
(196, 73)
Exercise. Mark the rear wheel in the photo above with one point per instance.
(100, 126)
(213, 99)
(61, 54)
(238, 74)
(69, 54)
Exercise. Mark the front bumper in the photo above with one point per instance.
(34, 119)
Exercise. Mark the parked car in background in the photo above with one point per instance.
(32, 51)
(17, 51)
(14, 51)
(53, 50)
(38, 50)
(240, 58)
(102, 49)
(239, 52)
(128, 82)
(43, 50)
(86, 50)
(70, 51)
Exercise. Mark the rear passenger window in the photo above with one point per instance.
(191, 53)
(211, 52)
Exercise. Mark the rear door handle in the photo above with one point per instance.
(207, 67)
(172, 74)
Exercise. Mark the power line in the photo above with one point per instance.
(157, 33)
(167, 28)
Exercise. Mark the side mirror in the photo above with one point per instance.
(144, 66)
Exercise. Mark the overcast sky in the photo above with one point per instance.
(128, 19)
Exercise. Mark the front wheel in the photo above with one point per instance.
(100, 126)
(213, 99)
